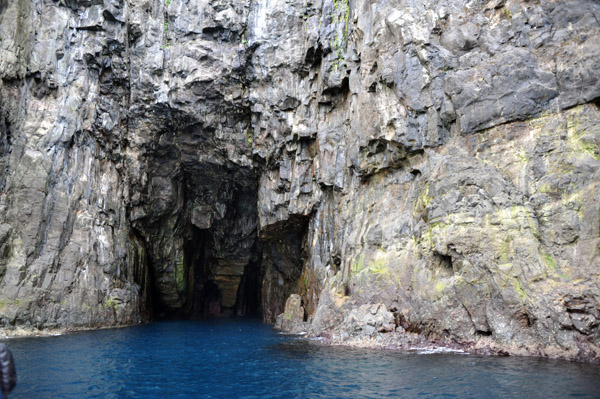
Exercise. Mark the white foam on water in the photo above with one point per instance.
(437, 349)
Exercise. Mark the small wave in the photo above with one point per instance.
(298, 334)
(438, 349)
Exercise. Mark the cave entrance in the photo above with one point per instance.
(219, 267)
(213, 265)
(196, 209)
(221, 287)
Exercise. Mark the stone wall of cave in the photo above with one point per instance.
(196, 212)
(205, 255)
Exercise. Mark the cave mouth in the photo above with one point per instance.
(215, 287)
(197, 219)
(214, 267)
(196, 209)
(255, 283)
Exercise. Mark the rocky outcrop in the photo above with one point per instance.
(414, 171)
(292, 318)
(449, 153)
(468, 254)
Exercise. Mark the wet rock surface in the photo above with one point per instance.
(413, 171)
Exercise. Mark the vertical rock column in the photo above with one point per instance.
(68, 259)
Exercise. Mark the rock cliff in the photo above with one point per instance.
(408, 171)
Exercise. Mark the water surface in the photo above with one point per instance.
(245, 359)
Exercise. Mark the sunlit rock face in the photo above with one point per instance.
(430, 163)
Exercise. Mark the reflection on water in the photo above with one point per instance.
(246, 359)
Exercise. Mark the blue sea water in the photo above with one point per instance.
(243, 359)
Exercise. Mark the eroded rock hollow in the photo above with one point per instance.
(398, 172)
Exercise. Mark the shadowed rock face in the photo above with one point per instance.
(427, 168)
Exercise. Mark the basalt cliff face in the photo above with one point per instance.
(408, 171)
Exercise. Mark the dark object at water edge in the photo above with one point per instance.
(8, 379)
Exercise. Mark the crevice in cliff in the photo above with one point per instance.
(249, 292)
(342, 90)
(283, 260)
(202, 292)
(444, 263)
(5, 148)
(143, 275)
